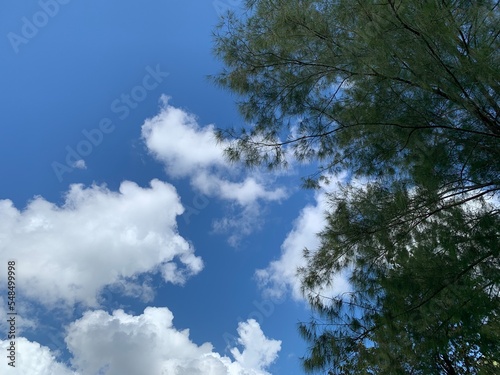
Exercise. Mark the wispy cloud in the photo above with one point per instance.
(80, 164)
(280, 276)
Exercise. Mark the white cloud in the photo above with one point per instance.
(280, 276)
(23, 320)
(239, 224)
(119, 343)
(31, 358)
(131, 288)
(245, 193)
(96, 238)
(189, 150)
(150, 344)
(175, 138)
(259, 351)
(80, 164)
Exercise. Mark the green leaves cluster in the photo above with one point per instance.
(425, 292)
(405, 96)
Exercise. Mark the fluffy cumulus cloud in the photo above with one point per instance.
(98, 237)
(175, 138)
(31, 358)
(280, 276)
(191, 151)
(188, 150)
(258, 350)
(119, 343)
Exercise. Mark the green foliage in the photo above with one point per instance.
(405, 96)
(424, 293)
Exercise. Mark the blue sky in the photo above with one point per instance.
(127, 225)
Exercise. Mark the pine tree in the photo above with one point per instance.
(404, 95)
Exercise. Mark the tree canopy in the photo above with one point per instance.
(404, 95)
